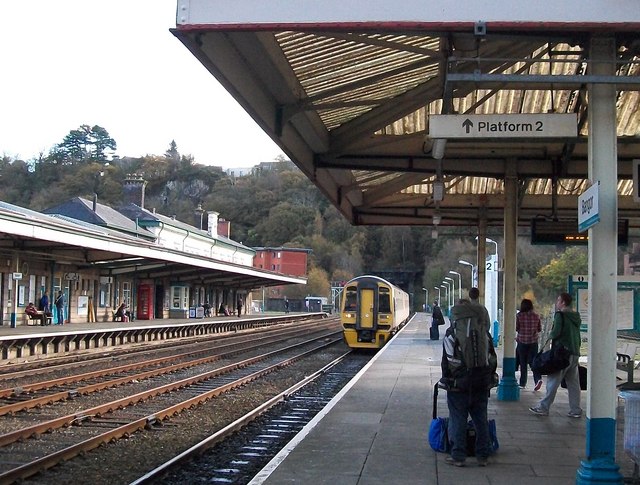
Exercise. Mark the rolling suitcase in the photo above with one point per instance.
(439, 432)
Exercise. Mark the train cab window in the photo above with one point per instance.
(384, 300)
(351, 299)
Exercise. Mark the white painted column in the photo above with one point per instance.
(600, 466)
(508, 389)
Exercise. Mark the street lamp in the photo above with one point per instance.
(492, 241)
(426, 298)
(459, 283)
(473, 271)
(438, 290)
(199, 212)
(453, 288)
(446, 296)
(448, 292)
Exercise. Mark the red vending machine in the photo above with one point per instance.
(145, 302)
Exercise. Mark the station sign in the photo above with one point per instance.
(504, 126)
(17, 276)
(72, 276)
(588, 210)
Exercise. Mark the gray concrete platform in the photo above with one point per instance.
(375, 431)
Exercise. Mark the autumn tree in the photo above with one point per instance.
(573, 261)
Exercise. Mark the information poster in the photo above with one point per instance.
(83, 306)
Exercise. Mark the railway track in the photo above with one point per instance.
(239, 451)
(36, 447)
(40, 393)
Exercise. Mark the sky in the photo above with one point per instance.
(114, 63)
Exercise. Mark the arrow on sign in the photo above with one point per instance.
(467, 124)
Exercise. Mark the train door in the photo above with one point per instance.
(367, 310)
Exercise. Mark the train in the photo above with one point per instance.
(372, 310)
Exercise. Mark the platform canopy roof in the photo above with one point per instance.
(30, 236)
(351, 92)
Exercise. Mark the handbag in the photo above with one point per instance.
(552, 360)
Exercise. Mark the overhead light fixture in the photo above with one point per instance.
(438, 191)
(437, 150)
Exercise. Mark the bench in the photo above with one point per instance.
(40, 318)
(625, 361)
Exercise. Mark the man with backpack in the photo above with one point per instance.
(469, 364)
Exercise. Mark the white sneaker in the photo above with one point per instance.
(571, 414)
(538, 385)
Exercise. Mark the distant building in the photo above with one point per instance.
(289, 261)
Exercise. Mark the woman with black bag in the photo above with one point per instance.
(566, 332)
(436, 320)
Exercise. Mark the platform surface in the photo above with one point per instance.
(375, 432)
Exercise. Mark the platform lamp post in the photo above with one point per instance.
(473, 272)
(438, 290)
(459, 283)
(448, 287)
(453, 289)
(426, 299)
(446, 297)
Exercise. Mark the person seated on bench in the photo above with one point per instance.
(34, 314)
(121, 313)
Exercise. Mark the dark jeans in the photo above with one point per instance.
(461, 406)
(526, 353)
(60, 315)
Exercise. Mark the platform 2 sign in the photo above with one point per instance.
(504, 126)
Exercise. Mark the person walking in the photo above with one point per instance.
(528, 328)
(565, 331)
(469, 364)
(59, 304)
(286, 305)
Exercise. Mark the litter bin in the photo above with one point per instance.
(632, 424)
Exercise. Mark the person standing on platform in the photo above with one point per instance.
(286, 305)
(528, 327)
(565, 331)
(469, 364)
(436, 320)
(44, 304)
(59, 304)
(239, 306)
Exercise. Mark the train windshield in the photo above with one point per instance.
(384, 300)
(351, 299)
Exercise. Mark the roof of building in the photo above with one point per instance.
(102, 215)
(148, 218)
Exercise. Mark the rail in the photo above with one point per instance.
(59, 341)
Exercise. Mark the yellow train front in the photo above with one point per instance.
(372, 311)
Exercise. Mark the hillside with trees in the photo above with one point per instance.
(275, 205)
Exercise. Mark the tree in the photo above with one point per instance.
(573, 261)
(84, 145)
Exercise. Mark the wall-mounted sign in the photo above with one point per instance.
(588, 211)
(17, 276)
(72, 276)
